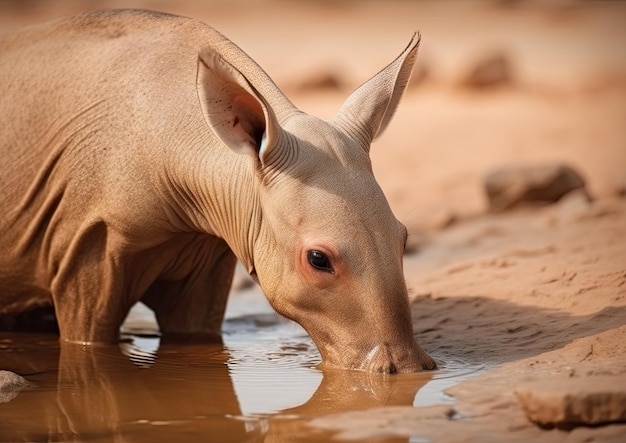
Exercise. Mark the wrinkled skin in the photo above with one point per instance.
(144, 153)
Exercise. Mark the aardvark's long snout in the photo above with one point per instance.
(388, 359)
(375, 337)
(385, 335)
(400, 354)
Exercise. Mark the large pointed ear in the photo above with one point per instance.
(368, 110)
(233, 109)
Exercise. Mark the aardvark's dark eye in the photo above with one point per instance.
(319, 261)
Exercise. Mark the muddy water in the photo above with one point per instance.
(260, 384)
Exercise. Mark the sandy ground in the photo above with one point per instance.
(536, 293)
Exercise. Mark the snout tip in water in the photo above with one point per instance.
(381, 359)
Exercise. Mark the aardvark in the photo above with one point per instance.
(143, 153)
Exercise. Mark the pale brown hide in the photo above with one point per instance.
(142, 153)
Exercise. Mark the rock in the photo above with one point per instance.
(10, 385)
(512, 186)
(488, 72)
(570, 402)
(324, 80)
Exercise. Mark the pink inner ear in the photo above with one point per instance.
(249, 114)
(232, 113)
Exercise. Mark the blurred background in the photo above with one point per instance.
(497, 82)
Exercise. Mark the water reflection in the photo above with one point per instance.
(260, 384)
(99, 394)
(245, 391)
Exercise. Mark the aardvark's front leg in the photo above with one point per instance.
(195, 304)
(89, 293)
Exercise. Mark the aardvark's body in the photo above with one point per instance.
(142, 152)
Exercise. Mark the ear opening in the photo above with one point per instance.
(233, 109)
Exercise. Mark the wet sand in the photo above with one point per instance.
(532, 294)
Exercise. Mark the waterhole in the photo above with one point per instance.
(260, 384)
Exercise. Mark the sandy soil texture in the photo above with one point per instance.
(536, 293)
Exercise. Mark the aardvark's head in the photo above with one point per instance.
(323, 242)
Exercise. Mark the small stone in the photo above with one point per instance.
(511, 186)
(324, 80)
(570, 402)
(488, 72)
(10, 385)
